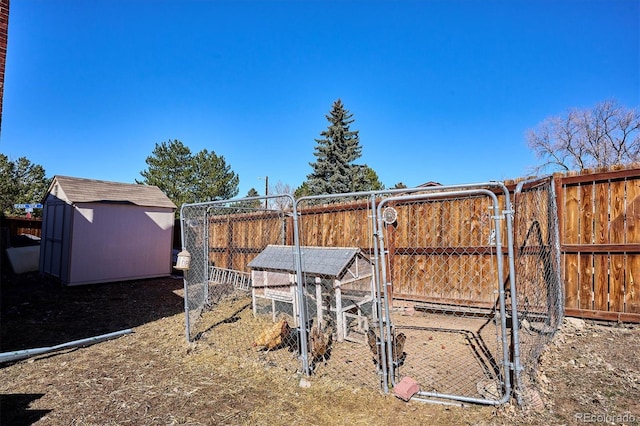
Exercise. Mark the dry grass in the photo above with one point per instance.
(154, 377)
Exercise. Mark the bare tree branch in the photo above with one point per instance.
(281, 203)
(606, 135)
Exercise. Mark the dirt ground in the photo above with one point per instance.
(151, 376)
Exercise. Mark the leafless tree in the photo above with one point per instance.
(281, 203)
(606, 135)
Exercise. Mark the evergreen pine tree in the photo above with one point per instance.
(335, 153)
(21, 181)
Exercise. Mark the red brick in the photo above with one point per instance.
(406, 388)
(4, 20)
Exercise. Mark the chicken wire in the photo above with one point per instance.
(367, 288)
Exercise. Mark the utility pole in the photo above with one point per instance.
(266, 190)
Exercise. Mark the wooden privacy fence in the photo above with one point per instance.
(438, 251)
(599, 218)
(21, 225)
(235, 239)
(599, 227)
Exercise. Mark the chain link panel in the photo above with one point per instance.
(371, 288)
(444, 263)
(539, 285)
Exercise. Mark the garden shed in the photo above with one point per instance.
(97, 231)
(345, 272)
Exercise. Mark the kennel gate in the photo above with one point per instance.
(446, 259)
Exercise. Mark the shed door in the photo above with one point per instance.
(54, 249)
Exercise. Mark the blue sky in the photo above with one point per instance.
(440, 90)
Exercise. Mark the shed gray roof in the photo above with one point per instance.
(79, 190)
(325, 261)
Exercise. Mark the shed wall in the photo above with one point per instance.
(100, 242)
(119, 242)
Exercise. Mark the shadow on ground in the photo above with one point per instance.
(14, 409)
(37, 312)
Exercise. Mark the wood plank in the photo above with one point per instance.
(440, 225)
(601, 213)
(412, 227)
(458, 228)
(332, 225)
(478, 268)
(601, 282)
(416, 276)
(600, 248)
(343, 230)
(476, 213)
(571, 278)
(617, 212)
(356, 222)
(616, 283)
(529, 282)
(586, 281)
(483, 279)
(455, 279)
(560, 205)
(633, 212)
(466, 217)
(431, 290)
(409, 273)
(604, 176)
(632, 284)
(309, 229)
(345, 236)
(447, 305)
(398, 283)
(604, 315)
(445, 233)
(431, 220)
(401, 226)
(521, 223)
(228, 262)
(459, 210)
(315, 229)
(420, 276)
(289, 231)
(541, 213)
(570, 224)
(442, 277)
(586, 214)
